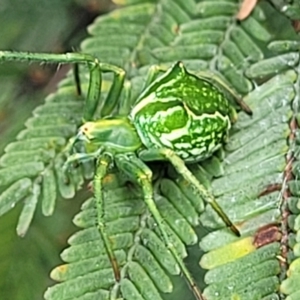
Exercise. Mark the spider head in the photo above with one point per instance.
(114, 134)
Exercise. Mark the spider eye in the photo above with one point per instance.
(84, 130)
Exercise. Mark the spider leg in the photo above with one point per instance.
(103, 163)
(95, 79)
(125, 103)
(153, 71)
(140, 172)
(114, 93)
(178, 163)
(77, 79)
(80, 158)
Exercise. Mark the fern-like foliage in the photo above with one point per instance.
(290, 8)
(249, 179)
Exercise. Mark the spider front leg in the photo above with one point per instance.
(80, 158)
(136, 169)
(178, 163)
(95, 67)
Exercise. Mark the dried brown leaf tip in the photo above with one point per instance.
(266, 235)
(246, 9)
(296, 25)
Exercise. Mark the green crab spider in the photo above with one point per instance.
(179, 117)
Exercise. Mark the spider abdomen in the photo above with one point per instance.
(184, 113)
